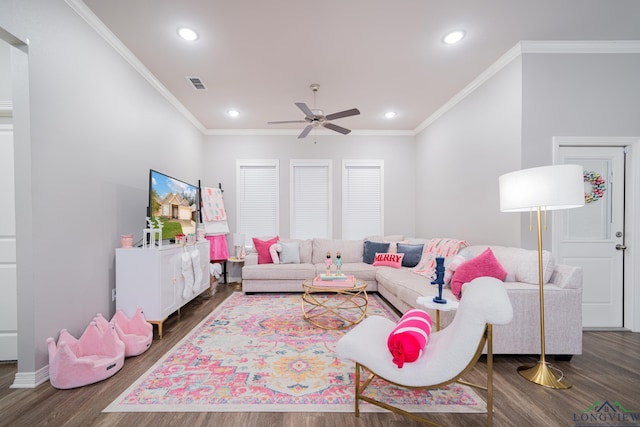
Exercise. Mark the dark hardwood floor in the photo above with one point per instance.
(608, 370)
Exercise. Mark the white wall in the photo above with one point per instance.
(398, 153)
(576, 95)
(459, 158)
(5, 82)
(96, 128)
(5, 73)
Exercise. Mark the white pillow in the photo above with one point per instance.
(290, 253)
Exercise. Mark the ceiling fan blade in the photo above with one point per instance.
(341, 114)
(286, 121)
(336, 128)
(305, 132)
(306, 110)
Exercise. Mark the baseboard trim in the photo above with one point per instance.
(31, 379)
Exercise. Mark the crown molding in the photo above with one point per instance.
(487, 74)
(295, 132)
(584, 47)
(85, 13)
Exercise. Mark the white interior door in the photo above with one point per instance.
(8, 277)
(592, 237)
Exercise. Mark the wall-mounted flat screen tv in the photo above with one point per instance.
(173, 202)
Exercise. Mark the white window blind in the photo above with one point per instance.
(362, 198)
(258, 198)
(310, 199)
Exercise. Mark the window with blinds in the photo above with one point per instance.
(310, 199)
(257, 198)
(362, 198)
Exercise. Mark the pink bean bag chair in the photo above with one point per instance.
(136, 333)
(96, 356)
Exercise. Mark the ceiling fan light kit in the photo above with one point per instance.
(315, 118)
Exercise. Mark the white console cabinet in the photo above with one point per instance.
(152, 278)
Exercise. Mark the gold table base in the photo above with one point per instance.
(337, 302)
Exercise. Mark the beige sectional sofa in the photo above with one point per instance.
(401, 287)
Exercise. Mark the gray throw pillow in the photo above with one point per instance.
(370, 249)
(412, 254)
(290, 253)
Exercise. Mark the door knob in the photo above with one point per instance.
(621, 247)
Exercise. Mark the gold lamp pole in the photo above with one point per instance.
(548, 188)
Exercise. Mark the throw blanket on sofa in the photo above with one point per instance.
(437, 248)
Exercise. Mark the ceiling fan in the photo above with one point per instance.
(316, 118)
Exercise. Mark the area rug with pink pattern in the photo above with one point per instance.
(257, 353)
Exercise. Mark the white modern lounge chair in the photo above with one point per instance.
(448, 356)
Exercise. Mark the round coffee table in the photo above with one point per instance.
(331, 306)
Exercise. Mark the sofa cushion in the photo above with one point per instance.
(388, 260)
(278, 272)
(484, 264)
(521, 264)
(262, 247)
(392, 240)
(350, 250)
(406, 285)
(290, 253)
(412, 254)
(437, 248)
(372, 248)
(386, 239)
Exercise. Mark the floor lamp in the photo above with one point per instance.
(535, 190)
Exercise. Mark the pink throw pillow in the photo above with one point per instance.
(262, 247)
(408, 339)
(388, 260)
(484, 264)
(454, 262)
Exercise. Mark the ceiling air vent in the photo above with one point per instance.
(196, 83)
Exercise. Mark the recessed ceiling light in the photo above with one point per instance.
(233, 113)
(188, 34)
(453, 37)
(390, 114)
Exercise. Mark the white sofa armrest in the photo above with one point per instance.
(567, 276)
(251, 259)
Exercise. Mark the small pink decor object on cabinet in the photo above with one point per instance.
(96, 355)
(126, 240)
(136, 333)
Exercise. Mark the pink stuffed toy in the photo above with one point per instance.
(409, 337)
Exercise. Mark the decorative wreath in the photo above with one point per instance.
(597, 186)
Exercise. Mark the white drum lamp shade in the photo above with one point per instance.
(546, 187)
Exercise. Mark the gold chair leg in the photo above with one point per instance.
(357, 389)
(489, 375)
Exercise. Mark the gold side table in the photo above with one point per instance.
(240, 262)
(323, 304)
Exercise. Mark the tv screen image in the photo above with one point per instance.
(174, 202)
